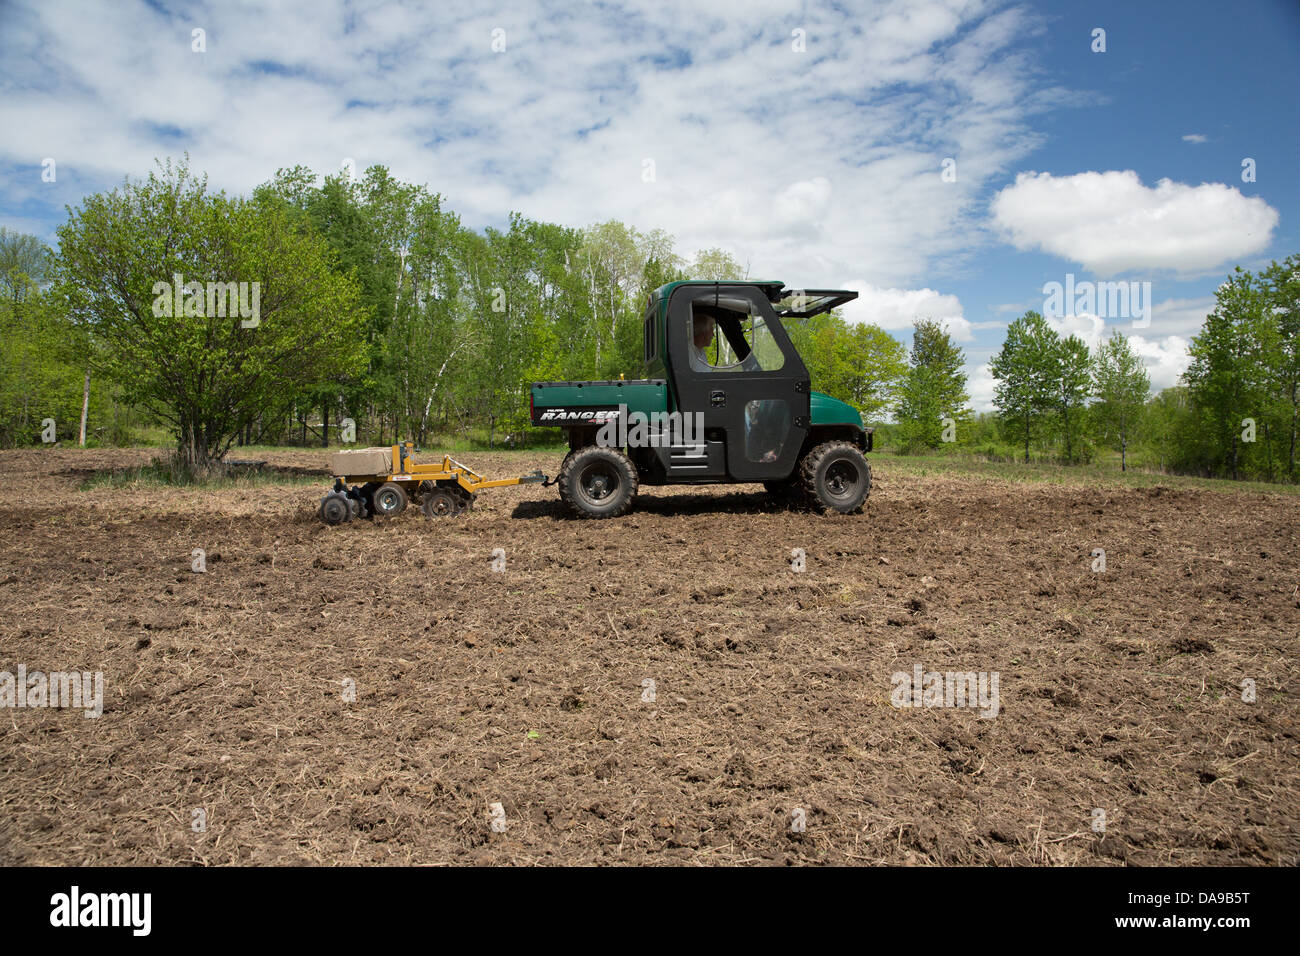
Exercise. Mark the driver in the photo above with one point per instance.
(703, 333)
(703, 330)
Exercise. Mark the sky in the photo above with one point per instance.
(944, 158)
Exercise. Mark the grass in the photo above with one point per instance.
(1102, 472)
(477, 440)
(160, 473)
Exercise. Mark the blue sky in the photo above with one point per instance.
(808, 139)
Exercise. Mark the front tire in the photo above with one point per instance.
(598, 482)
(836, 477)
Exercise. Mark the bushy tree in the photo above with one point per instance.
(154, 270)
(1074, 386)
(1228, 375)
(1121, 385)
(934, 389)
(1028, 374)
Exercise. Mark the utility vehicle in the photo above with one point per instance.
(716, 356)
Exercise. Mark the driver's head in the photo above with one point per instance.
(703, 331)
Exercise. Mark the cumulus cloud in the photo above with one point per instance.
(1181, 316)
(980, 384)
(808, 165)
(1110, 222)
(1165, 359)
(1085, 326)
(1195, 138)
(897, 310)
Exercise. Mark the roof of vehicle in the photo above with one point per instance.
(769, 286)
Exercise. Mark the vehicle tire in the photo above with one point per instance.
(334, 508)
(439, 503)
(597, 482)
(389, 500)
(836, 477)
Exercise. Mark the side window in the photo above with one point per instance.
(729, 335)
(651, 343)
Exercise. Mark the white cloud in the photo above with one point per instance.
(897, 310)
(1165, 359)
(1196, 138)
(1085, 326)
(979, 386)
(1109, 222)
(809, 166)
(1181, 316)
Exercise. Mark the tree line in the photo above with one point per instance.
(1235, 412)
(277, 317)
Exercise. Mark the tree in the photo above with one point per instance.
(1281, 291)
(1226, 378)
(24, 264)
(716, 264)
(1074, 385)
(1028, 373)
(861, 364)
(935, 387)
(212, 310)
(1121, 386)
(869, 369)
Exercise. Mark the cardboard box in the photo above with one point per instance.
(361, 462)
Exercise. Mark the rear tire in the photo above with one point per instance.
(836, 477)
(597, 482)
(389, 500)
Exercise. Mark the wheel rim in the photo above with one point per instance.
(842, 479)
(386, 501)
(440, 506)
(598, 483)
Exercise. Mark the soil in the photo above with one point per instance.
(230, 692)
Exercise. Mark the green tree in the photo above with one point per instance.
(199, 368)
(870, 366)
(1074, 383)
(716, 264)
(1121, 385)
(1170, 430)
(1028, 373)
(935, 388)
(1227, 376)
(1281, 291)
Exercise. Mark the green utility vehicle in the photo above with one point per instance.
(725, 398)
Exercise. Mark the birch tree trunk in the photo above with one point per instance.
(85, 409)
